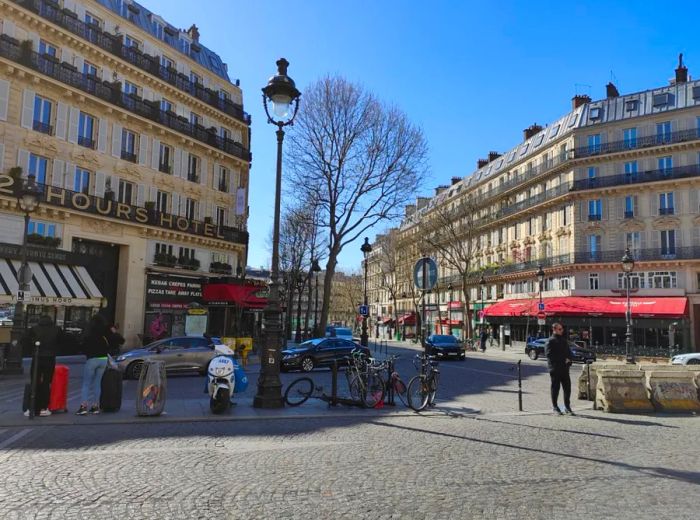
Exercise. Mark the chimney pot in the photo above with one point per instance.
(493, 156)
(579, 99)
(611, 91)
(681, 71)
(530, 131)
(455, 180)
(440, 189)
(480, 163)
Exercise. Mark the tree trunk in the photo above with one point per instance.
(327, 282)
(308, 308)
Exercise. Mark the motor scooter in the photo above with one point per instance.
(220, 379)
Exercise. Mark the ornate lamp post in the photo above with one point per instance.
(28, 202)
(284, 96)
(540, 278)
(366, 250)
(449, 308)
(315, 268)
(627, 267)
(403, 325)
(482, 285)
(299, 288)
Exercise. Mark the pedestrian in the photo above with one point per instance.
(96, 347)
(483, 336)
(558, 361)
(115, 339)
(50, 338)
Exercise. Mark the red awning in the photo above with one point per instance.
(245, 296)
(445, 321)
(387, 321)
(593, 306)
(408, 319)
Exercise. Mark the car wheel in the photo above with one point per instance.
(693, 362)
(307, 364)
(462, 357)
(133, 371)
(533, 354)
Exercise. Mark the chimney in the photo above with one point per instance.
(579, 99)
(409, 210)
(481, 163)
(440, 189)
(493, 156)
(530, 131)
(455, 180)
(193, 33)
(422, 202)
(681, 71)
(611, 91)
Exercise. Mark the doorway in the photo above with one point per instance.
(102, 263)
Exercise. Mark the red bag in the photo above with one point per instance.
(58, 398)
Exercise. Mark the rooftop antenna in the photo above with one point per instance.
(613, 78)
(582, 88)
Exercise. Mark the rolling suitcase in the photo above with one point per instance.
(111, 393)
(58, 396)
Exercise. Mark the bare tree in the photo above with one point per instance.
(346, 294)
(386, 246)
(359, 160)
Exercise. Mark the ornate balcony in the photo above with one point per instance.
(640, 142)
(679, 172)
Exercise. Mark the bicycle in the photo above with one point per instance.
(422, 388)
(470, 344)
(364, 380)
(302, 389)
(394, 384)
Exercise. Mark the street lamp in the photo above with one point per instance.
(403, 325)
(300, 288)
(284, 96)
(366, 250)
(315, 268)
(482, 284)
(28, 202)
(627, 267)
(449, 308)
(540, 278)
(376, 325)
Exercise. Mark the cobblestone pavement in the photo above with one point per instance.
(474, 456)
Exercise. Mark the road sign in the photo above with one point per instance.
(541, 316)
(540, 306)
(541, 321)
(22, 296)
(363, 310)
(431, 274)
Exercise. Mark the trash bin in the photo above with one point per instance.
(152, 389)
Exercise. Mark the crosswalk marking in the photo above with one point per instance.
(7, 442)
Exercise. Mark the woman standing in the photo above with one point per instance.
(96, 346)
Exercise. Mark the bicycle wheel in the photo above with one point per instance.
(355, 387)
(374, 390)
(299, 391)
(433, 386)
(418, 393)
(401, 389)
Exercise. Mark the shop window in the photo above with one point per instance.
(38, 227)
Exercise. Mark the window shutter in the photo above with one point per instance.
(621, 208)
(140, 195)
(643, 239)
(230, 218)
(612, 241)
(217, 176)
(235, 176)
(80, 11)
(153, 193)
(175, 204)
(4, 98)
(147, 94)
(114, 183)
(61, 120)
(2, 157)
(69, 176)
(205, 173)
(183, 206)
(28, 108)
(116, 140)
(608, 208)
(73, 125)
(679, 202)
(8, 27)
(581, 210)
(655, 239)
(79, 61)
(143, 149)
(67, 56)
(693, 197)
(102, 136)
(200, 210)
(100, 185)
(155, 154)
(654, 206)
(23, 161)
(635, 205)
(183, 164)
(696, 236)
(57, 175)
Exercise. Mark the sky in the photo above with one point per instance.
(472, 75)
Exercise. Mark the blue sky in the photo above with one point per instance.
(471, 74)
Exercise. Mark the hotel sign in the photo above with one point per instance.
(82, 202)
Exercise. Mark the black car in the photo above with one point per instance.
(319, 352)
(445, 346)
(579, 354)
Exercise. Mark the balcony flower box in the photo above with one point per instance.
(220, 267)
(191, 264)
(165, 259)
(40, 240)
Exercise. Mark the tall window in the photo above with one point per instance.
(630, 204)
(90, 70)
(130, 88)
(81, 181)
(594, 143)
(563, 245)
(223, 179)
(42, 115)
(593, 281)
(595, 209)
(666, 203)
(220, 216)
(86, 130)
(38, 166)
(45, 229)
(666, 164)
(224, 95)
(126, 192)
(668, 242)
(166, 106)
(592, 175)
(128, 145)
(167, 62)
(594, 245)
(130, 41)
(224, 133)
(165, 158)
(190, 208)
(631, 171)
(195, 119)
(162, 201)
(47, 49)
(193, 168)
(195, 78)
(91, 19)
(633, 240)
(663, 132)
(629, 136)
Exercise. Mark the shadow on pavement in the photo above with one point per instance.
(632, 422)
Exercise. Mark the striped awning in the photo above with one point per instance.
(52, 284)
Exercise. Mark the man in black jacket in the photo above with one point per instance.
(559, 360)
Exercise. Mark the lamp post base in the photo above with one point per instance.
(269, 392)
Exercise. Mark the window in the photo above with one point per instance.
(633, 240)
(594, 243)
(128, 145)
(631, 105)
(668, 242)
(594, 143)
(595, 209)
(165, 158)
(224, 95)
(666, 165)
(631, 171)
(595, 113)
(126, 192)
(86, 130)
(563, 245)
(195, 119)
(220, 216)
(565, 216)
(592, 175)
(190, 208)
(663, 132)
(81, 181)
(37, 227)
(158, 29)
(666, 203)
(193, 168)
(630, 204)
(593, 282)
(166, 106)
(225, 133)
(162, 201)
(90, 70)
(185, 253)
(629, 136)
(167, 62)
(185, 46)
(164, 249)
(660, 100)
(223, 179)
(131, 42)
(38, 166)
(196, 78)
(47, 49)
(130, 88)
(42, 115)
(636, 281)
(662, 279)
(91, 19)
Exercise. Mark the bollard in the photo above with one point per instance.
(389, 385)
(334, 383)
(520, 386)
(35, 376)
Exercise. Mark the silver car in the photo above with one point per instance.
(180, 354)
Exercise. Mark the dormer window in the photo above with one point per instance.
(631, 105)
(595, 113)
(696, 93)
(661, 100)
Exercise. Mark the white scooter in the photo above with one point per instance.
(220, 381)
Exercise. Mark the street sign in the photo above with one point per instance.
(432, 307)
(431, 274)
(363, 310)
(541, 316)
(540, 306)
(22, 296)
(541, 321)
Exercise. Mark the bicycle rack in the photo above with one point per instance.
(389, 394)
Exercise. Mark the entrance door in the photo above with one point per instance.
(102, 263)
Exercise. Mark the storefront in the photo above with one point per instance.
(235, 310)
(407, 325)
(168, 298)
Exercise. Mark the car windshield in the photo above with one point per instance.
(444, 339)
(307, 344)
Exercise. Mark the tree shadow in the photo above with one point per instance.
(629, 422)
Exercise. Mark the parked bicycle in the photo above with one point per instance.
(394, 385)
(300, 390)
(422, 388)
(364, 379)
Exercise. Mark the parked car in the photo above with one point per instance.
(319, 352)
(692, 358)
(579, 354)
(445, 346)
(339, 332)
(180, 354)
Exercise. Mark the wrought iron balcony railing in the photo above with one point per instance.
(114, 45)
(679, 172)
(128, 156)
(112, 93)
(44, 128)
(648, 141)
(165, 168)
(87, 142)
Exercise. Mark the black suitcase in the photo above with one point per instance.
(111, 393)
(26, 397)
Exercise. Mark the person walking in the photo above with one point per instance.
(558, 361)
(482, 338)
(96, 346)
(50, 337)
